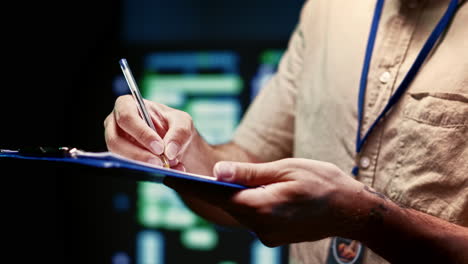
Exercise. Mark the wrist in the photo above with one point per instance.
(414, 236)
(360, 210)
(200, 156)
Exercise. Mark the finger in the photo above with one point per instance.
(173, 163)
(135, 152)
(179, 134)
(156, 111)
(248, 174)
(179, 167)
(118, 143)
(128, 119)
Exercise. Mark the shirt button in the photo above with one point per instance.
(385, 77)
(364, 162)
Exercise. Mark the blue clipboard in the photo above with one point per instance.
(109, 160)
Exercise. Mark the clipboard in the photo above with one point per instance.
(139, 171)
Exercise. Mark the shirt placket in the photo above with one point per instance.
(386, 65)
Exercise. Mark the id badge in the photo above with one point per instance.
(345, 251)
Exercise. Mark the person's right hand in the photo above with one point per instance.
(127, 134)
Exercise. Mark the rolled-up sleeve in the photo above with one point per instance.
(267, 128)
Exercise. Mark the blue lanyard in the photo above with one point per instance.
(436, 33)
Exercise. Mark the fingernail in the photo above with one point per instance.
(155, 161)
(224, 171)
(157, 147)
(172, 150)
(173, 162)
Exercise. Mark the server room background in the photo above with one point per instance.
(209, 58)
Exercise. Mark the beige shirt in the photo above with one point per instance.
(418, 155)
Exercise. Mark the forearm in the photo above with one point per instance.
(404, 235)
(233, 152)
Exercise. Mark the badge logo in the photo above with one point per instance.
(345, 251)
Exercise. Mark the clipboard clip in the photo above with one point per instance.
(50, 152)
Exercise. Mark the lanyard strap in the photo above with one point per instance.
(436, 33)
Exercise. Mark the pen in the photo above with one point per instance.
(139, 101)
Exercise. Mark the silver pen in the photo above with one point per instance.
(132, 85)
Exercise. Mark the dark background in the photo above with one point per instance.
(60, 58)
(59, 62)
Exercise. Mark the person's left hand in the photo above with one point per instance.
(294, 200)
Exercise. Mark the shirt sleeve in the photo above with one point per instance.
(267, 128)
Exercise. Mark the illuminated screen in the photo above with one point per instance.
(207, 85)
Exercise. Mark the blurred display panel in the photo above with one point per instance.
(268, 65)
(207, 85)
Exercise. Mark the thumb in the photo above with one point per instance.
(248, 174)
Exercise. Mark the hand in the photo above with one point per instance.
(298, 199)
(127, 134)
(294, 200)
